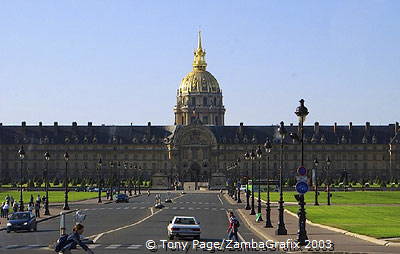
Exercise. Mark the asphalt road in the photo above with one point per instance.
(126, 227)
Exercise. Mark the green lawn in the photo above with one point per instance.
(351, 197)
(54, 196)
(375, 221)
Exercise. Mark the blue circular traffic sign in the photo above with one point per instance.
(302, 171)
(301, 187)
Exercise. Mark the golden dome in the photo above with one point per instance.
(199, 80)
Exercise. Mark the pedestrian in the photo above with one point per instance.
(108, 194)
(5, 210)
(37, 209)
(38, 199)
(73, 240)
(1, 210)
(8, 199)
(233, 227)
(30, 207)
(31, 201)
(15, 207)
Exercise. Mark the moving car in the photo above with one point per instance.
(21, 221)
(119, 198)
(184, 226)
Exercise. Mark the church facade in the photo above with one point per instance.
(198, 147)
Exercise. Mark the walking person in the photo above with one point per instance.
(1, 210)
(37, 209)
(15, 207)
(30, 207)
(233, 227)
(73, 240)
(39, 199)
(5, 210)
(31, 200)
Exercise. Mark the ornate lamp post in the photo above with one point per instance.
(46, 204)
(111, 180)
(135, 181)
(259, 156)
(140, 179)
(66, 158)
(316, 181)
(328, 164)
(281, 224)
(125, 175)
(247, 157)
(252, 157)
(100, 163)
(302, 112)
(239, 181)
(21, 154)
(268, 224)
(119, 176)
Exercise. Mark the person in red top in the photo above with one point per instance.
(233, 227)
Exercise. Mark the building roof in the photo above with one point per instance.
(150, 134)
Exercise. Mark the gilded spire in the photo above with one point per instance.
(199, 62)
(199, 41)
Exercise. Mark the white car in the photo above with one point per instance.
(183, 226)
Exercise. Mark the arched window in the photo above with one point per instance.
(204, 101)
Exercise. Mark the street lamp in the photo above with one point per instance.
(259, 156)
(247, 157)
(100, 163)
(46, 203)
(125, 175)
(21, 154)
(119, 176)
(66, 157)
(268, 224)
(140, 179)
(111, 179)
(328, 164)
(252, 157)
(316, 181)
(302, 112)
(135, 181)
(281, 224)
(240, 181)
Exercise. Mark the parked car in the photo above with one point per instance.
(21, 221)
(184, 226)
(121, 198)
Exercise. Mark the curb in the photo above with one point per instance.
(345, 232)
(48, 218)
(261, 234)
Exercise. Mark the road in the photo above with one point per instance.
(126, 227)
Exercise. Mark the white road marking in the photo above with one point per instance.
(220, 200)
(113, 246)
(134, 246)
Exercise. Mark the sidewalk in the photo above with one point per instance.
(342, 242)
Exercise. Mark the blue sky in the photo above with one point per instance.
(117, 62)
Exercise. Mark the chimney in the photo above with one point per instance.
(149, 128)
(350, 126)
(89, 124)
(74, 124)
(40, 124)
(241, 128)
(316, 128)
(335, 128)
(23, 124)
(396, 128)
(367, 128)
(56, 128)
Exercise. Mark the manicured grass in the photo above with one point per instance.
(375, 221)
(54, 196)
(351, 197)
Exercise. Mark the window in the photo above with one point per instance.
(205, 119)
(193, 101)
(205, 101)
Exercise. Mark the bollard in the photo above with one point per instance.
(62, 224)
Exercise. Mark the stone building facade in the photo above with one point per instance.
(198, 146)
